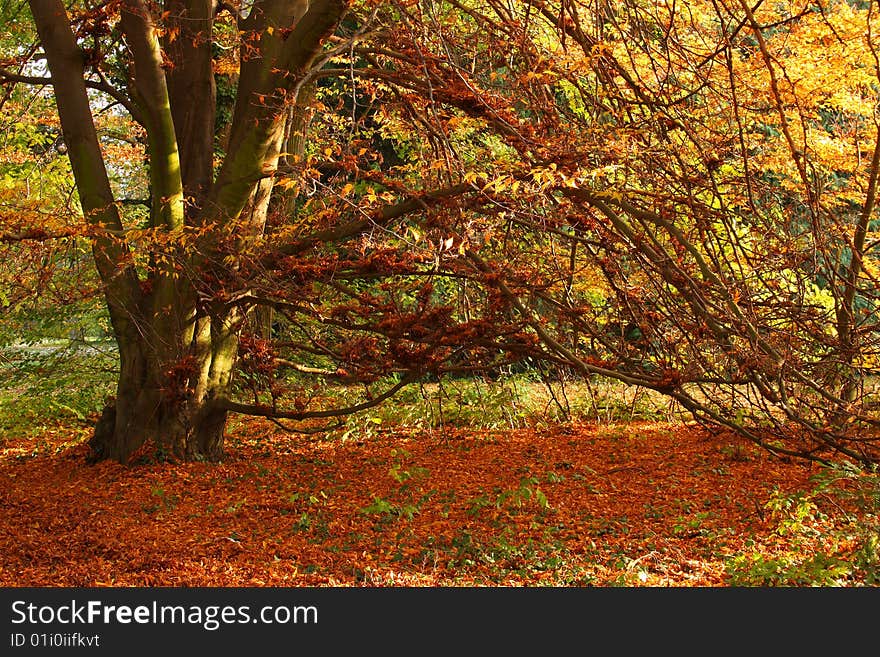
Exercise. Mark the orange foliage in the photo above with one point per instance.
(640, 504)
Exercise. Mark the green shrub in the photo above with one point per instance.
(839, 549)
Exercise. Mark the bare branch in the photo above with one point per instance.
(268, 412)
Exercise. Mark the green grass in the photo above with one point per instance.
(63, 381)
(511, 402)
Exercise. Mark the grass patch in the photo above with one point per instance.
(512, 402)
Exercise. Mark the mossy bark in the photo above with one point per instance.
(170, 408)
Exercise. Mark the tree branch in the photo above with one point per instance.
(268, 412)
(103, 86)
(89, 170)
(151, 94)
(36, 235)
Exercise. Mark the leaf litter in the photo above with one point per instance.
(638, 504)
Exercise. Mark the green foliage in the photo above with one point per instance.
(468, 402)
(693, 526)
(402, 474)
(313, 516)
(790, 569)
(304, 523)
(512, 500)
(165, 502)
(505, 554)
(514, 401)
(859, 490)
(46, 383)
(526, 492)
(386, 509)
(409, 479)
(820, 552)
(360, 427)
(56, 363)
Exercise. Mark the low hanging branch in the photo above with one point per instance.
(268, 412)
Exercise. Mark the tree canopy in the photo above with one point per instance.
(279, 194)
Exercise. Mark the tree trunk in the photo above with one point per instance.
(121, 433)
(172, 410)
(169, 401)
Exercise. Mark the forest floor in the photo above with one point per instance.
(634, 504)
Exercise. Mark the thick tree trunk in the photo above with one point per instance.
(177, 356)
(157, 426)
(121, 435)
(170, 408)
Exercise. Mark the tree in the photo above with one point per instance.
(176, 351)
(718, 163)
(670, 196)
(182, 287)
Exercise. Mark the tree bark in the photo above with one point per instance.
(171, 407)
(193, 93)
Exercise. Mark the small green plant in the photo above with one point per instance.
(617, 526)
(312, 515)
(822, 550)
(402, 474)
(476, 505)
(304, 523)
(692, 526)
(858, 489)
(409, 479)
(165, 502)
(361, 428)
(554, 478)
(504, 554)
(736, 453)
(787, 569)
(234, 507)
(528, 490)
(378, 507)
(387, 510)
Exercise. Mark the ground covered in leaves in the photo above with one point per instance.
(655, 504)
